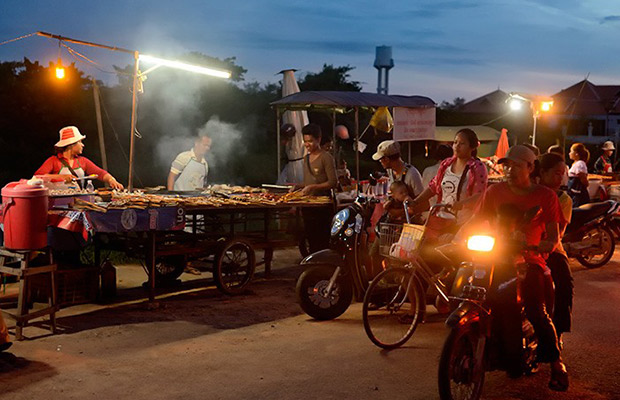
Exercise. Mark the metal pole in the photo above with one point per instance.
(66, 39)
(104, 159)
(534, 131)
(134, 110)
(357, 144)
(334, 152)
(278, 138)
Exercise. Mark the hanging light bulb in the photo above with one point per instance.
(60, 70)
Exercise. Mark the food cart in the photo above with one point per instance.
(166, 231)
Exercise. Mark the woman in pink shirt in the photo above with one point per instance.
(68, 163)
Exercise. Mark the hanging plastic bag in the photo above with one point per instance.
(382, 120)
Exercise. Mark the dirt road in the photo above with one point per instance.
(204, 345)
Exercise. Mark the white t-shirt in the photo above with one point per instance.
(577, 168)
(449, 191)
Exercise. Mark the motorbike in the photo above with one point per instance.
(334, 276)
(474, 344)
(590, 235)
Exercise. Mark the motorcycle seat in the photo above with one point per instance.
(590, 211)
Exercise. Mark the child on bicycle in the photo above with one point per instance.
(394, 211)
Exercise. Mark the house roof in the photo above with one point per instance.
(490, 103)
(586, 98)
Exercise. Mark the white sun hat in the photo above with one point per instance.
(69, 135)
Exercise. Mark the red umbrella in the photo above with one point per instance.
(502, 144)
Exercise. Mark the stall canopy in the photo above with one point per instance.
(488, 137)
(341, 102)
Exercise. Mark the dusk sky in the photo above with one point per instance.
(441, 49)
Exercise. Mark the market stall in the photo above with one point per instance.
(168, 230)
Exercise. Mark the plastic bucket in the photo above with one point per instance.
(24, 210)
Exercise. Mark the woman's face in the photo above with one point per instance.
(461, 146)
(552, 178)
(311, 143)
(77, 148)
(573, 155)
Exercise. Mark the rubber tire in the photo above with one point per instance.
(169, 268)
(419, 315)
(321, 274)
(609, 255)
(449, 348)
(219, 270)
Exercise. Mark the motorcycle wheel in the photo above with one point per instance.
(607, 243)
(392, 307)
(312, 297)
(456, 366)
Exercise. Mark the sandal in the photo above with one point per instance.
(559, 377)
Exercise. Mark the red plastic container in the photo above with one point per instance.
(24, 211)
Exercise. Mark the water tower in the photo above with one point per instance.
(383, 62)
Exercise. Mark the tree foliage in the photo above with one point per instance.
(330, 78)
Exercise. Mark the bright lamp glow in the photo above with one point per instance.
(480, 243)
(60, 72)
(516, 104)
(546, 105)
(186, 67)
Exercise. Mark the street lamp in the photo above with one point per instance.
(538, 105)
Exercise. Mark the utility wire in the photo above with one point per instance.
(17, 38)
(118, 141)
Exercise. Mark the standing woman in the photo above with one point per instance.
(552, 170)
(460, 181)
(578, 175)
(68, 163)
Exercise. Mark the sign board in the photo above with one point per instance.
(414, 124)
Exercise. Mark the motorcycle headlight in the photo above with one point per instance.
(481, 243)
(339, 220)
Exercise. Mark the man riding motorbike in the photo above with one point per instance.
(520, 194)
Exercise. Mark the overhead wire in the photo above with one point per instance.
(118, 141)
(18, 38)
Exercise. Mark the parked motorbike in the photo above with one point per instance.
(474, 345)
(590, 235)
(334, 276)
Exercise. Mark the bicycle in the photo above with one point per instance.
(395, 302)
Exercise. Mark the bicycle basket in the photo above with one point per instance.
(388, 235)
(409, 240)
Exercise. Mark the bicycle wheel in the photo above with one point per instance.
(391, 310)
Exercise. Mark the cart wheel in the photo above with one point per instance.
(234, 266)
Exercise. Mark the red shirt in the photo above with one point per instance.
(53, 165)
(500, 194)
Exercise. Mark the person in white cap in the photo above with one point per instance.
(603, 165)
(388, 154)
(69, 164)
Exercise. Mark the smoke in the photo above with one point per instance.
(228, 148)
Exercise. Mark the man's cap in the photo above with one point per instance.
(69, 135)
(608, 145)
(519, 153)
(386, 149)
(288, 130)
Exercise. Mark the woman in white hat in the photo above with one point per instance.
(68, 163)
(603, 164)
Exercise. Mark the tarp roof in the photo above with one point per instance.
(341, 100)
(485, 133)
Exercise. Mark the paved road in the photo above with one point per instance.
(203, 345)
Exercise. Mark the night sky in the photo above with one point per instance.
(441, 49)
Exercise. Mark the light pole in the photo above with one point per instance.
(538, 105)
